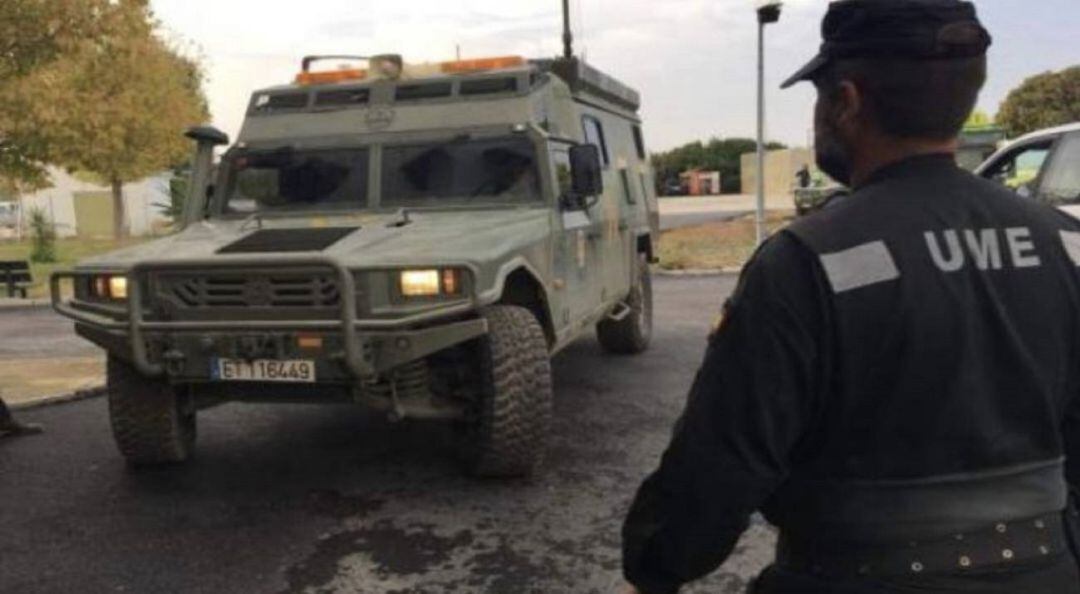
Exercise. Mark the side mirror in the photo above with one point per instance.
(586, 171)
(198, 201)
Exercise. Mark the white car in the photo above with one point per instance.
(1043, 165)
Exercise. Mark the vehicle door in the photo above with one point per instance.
(610, 228)
(577, 259)
(1020, 167)
(1059, 183)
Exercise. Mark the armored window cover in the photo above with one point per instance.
(488, 86)
(288, 240)
(425, 91)
(281, 101)
(343, 97)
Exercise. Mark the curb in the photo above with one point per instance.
(18, 304)
(699, 272)
(47, 401)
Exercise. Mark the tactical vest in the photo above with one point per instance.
(952, 308)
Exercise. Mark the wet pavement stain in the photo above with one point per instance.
(393, 551)
(322, 566)
(410, 551)
(332, 504)
(505, 569)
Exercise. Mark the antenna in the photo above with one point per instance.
(567, 36)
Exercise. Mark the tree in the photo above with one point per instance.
(716, 155)
(120, 105)
(1042, 101)
(978, 119)
(35, 33)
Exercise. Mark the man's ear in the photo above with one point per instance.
(849, 105)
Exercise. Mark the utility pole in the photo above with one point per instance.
(567, 36)
(767, 12)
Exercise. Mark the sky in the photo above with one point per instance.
(692, 60)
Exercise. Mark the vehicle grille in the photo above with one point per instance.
(247, 290)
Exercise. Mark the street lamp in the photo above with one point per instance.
(768, 12)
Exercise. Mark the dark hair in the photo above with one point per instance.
(913, 98)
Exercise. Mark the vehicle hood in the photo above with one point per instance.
(430, 237)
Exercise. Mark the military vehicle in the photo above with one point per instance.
(420, 239)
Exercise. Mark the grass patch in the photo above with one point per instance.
(715, 245)
(68, 252)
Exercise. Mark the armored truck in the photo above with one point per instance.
(419, 239)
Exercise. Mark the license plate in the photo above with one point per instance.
(263, 370)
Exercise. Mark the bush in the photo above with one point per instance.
(723, 155)
(43, 237)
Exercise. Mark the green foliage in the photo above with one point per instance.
(112, 101)
(43, 234)
(978, 119)
(179, 186)
(34, 34)
(1042, 101)
(723, 155)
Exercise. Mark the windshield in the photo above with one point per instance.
(287, 179)
(499, 170)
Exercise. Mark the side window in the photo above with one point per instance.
(1019, 169)
(561, 159)
(594, 134)
(639, 142)
(627, 190)
(1061, 182)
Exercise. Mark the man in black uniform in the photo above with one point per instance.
(895, 382)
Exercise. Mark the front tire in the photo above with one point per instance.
(507, 434)
(631, 334)
(151, 423)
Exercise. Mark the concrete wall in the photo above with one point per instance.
(780, 169)
(58, 203)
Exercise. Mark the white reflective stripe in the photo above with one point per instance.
(860, 266)
(1071, 239)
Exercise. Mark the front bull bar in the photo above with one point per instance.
(360, 364)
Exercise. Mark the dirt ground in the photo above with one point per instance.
(22, 380)
(715, 245)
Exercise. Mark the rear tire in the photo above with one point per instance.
(506, 436)
(151, 424)
(631, 335)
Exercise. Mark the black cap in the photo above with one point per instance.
(913, 29)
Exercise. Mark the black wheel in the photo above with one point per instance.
(631, 334)
(507, 433)
(152, 425)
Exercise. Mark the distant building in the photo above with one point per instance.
(84, 209)
(700, 183)
(781, 172)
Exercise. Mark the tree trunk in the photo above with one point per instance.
(120, 228)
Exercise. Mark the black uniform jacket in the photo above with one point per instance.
(902, 363)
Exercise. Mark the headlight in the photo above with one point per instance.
(118, 287)
(109, 287)
(430, 282)
(420, 283)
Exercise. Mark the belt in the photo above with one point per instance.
(905, 510)
(997, 546)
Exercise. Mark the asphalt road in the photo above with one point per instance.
(37, 332)
(285, 499)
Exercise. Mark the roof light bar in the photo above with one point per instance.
(463, 66)
(330, 76)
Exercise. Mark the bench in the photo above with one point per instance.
(15, 277)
